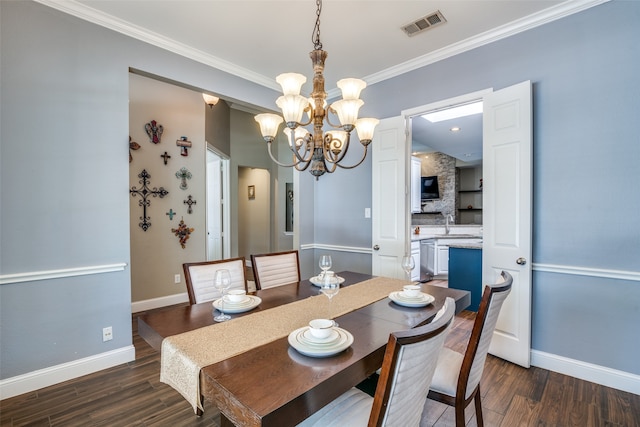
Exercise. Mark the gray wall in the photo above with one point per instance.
(586, 103)
(64, 178)
(64, 175)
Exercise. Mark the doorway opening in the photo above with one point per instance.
(218, 218)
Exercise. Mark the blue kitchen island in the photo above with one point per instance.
(465, 270)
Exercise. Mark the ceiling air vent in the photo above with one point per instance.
(431, 20)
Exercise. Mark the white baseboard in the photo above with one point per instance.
(152, 303)
(46, 377)
(608, 377)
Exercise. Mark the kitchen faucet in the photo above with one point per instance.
(447, 217)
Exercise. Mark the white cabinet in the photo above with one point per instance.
(443, 259)
(416, 175)
(415, 254)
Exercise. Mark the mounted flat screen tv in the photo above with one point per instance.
(429, 188)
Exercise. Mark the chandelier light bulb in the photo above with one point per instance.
(351, 88)
(338, 139)
(292, 107)
(269, 124)
(347, 110)
(299, 136)
(365, 128)
(291, 83)
(210, 100)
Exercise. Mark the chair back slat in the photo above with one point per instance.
(199, 277)
(409, 364)
(275, 269)
(485, 323)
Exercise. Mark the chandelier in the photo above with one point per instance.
(323, 151)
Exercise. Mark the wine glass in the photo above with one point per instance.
(330, 288)
(222, 281)
(325, 264)
(408, 264)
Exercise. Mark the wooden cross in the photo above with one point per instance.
(189, 202)
(145, 192)
(171, 213)
(165, 156)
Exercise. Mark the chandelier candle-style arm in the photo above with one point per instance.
(321, 151)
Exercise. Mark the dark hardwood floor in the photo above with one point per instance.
(132, 395)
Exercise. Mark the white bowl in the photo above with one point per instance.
(320, 328)
(237, 295)
(327, 275)
(411, 291)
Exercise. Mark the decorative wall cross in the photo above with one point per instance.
(182, 233)
(189, 202)
(154, 130)
(132, 146)
(145, 192)
(184, 144)
(183, 174)
(171, 213)
(165, 156)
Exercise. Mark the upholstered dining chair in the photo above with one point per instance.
(409, 362)
(456, 381)
(275, 269)
(199, 277)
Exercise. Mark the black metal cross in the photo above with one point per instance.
(189, 202)
(165, 156)
(145, 192)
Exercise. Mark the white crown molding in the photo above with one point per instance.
(62, 273)
(532, 21)
(94, 16)
(46, 377)
(89, 14)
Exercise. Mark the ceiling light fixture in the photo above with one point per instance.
(449, 113)
(323, 151)
(210, 100)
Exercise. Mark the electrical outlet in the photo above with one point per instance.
(367, 212)
(107, 334)
(176, 278)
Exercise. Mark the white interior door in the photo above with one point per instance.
(217, 188)
(507, 168)
(390, 197)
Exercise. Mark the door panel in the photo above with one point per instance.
(389, 198)
(507, 157)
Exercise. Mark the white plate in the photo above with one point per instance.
(238, 307)
(317, 281)
(298, 341)
(419, 301)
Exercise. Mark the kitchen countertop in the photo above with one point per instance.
(425, 236)
(466, 245)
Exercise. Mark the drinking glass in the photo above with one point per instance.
(325, 263)
(222, 281)
(407, 265)
(330, 289)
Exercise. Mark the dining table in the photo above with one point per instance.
(272, 384)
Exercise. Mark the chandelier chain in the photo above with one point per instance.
(315, 36)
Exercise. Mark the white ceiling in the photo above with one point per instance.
(260, 39)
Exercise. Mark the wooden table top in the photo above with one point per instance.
(274, 385)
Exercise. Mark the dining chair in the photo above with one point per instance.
(407, 368)
(199, 277)
(275, 269)
(456, 381)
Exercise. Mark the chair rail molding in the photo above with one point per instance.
(32, 276)
(586, 271)
(337, 248)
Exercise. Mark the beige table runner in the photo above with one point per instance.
(185, 354)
